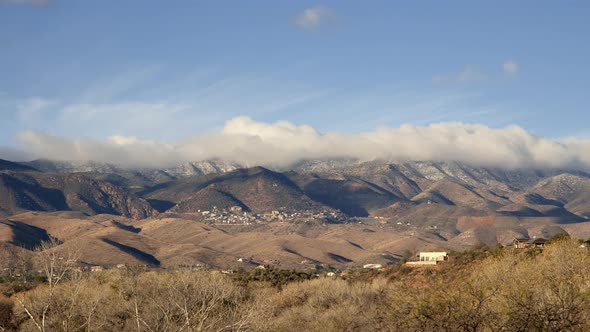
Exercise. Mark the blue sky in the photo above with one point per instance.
(166, 70)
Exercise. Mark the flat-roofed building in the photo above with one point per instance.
(434, 256)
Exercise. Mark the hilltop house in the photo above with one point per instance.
(526, 243)
(430, 258)
(436, 256)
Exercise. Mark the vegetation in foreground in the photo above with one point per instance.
(480, 290)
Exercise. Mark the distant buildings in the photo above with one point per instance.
(236, 215)
(236, 209)
(526, 243)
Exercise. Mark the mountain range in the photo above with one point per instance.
(441, 204)
(357, 188)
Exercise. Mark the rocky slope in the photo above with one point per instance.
(22, 190)
(256, 189)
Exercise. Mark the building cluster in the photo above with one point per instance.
(325, 216)
(236, 215)
(233, 215)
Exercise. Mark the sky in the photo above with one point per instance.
(164, 79)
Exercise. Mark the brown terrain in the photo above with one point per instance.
(338, 213)
(110, 240)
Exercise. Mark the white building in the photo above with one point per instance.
(435, 256)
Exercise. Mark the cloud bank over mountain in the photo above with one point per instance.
(281, 144)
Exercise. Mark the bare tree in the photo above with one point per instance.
(183, 301)
(56, 266)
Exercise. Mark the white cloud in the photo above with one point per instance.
(116, 150)
(510, 67)
(469, 74)
(312, 18)
(281, 144)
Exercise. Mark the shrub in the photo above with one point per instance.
(502, 290)
(6, 314)
(559, 237)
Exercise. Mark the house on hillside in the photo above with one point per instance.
(435, 256)
(527, 243)
(430, 258)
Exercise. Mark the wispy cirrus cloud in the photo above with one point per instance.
(312, 18)
(469, 74)
(473, 74)
(121, 104)
(25, 2)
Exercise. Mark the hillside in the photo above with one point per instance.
(257, 189)
(205, 199)
(571, 191)
(6, 165)
(109, 240)
(37, 191)
(351, 195)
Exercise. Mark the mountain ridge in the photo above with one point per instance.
(27, 189)
(354, 187)
(309, 213)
